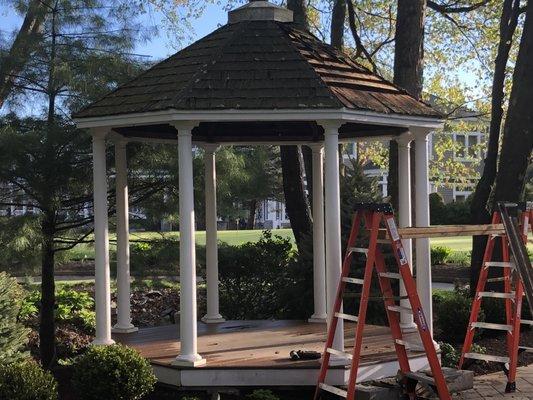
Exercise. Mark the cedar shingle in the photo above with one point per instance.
(258, 65)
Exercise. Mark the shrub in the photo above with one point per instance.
(449, 355)
(112, 372)
(13, 335)
(440, 254)
(452, 313)
(262, 394)
(26, 381)
(457, 212)
(437, 209)
(72, 306)
(265, 275)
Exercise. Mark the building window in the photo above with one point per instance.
(468, 146)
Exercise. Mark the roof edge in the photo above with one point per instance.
(235, 115)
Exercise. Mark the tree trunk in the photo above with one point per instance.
(296, 203)
(299, 8)
(338, 17)
(251, 215)
(478, 209)
(25, 42)
(307, 156)
(408, 69)
(518, 129)
(47, 322)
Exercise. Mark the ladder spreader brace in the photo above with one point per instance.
(373, 216)
(517, 277)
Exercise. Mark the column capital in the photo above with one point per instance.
(331, 127)
(185, 127)
(209, 147)
(420, 133)
(100, 133)
(405, 139)
(316, 147)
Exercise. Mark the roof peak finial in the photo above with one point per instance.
(260, 10)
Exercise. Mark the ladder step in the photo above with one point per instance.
(390, 275)
(489, 325)
(487, 357)
(497, 295)
(339, 353)
(333, 389)
(501, 279)
(347, 316)
(526, 349)
(384, 241)
(526, 322)
(499, 264)
(400, 309)
(359, 250)
(357, 281)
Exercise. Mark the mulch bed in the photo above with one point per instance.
(450, 273)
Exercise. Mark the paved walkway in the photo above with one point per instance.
(492, 386)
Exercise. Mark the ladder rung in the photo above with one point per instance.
(489, 325)
(497, 295)
(500, 264)
(347, 316)
(400, 309)
(333, 389)
(358, 250)
(357, 281)
(526, 322)
(339, 353)
(384, 241)
(501, 279)
(487, 357)
(390, 275)
(526, 349)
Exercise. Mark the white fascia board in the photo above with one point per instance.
(343, 114)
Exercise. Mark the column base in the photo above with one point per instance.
(124, 329)
(216, 319)
(189, 361)
(318, 319)
(336, 361)
(102, 342)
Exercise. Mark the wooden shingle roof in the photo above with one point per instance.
(258, 65)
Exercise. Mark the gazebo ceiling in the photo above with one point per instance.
(258, 61)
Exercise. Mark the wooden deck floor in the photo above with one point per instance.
(255, 344)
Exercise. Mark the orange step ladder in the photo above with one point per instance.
(375, 216)
(512, 295)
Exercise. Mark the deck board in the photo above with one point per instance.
(256, 344)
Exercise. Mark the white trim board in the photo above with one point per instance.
(232, 115)
(273, 377)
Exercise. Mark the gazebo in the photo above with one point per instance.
(257, 80)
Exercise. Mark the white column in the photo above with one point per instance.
(123, 324)
(102, 291)
(405, 217)
(319, 249)
(423, 255)
(333, 228)
(188, 330)
(211, 245)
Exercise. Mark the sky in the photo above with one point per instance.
(160, 46)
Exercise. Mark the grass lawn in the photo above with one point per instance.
(456, 243)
